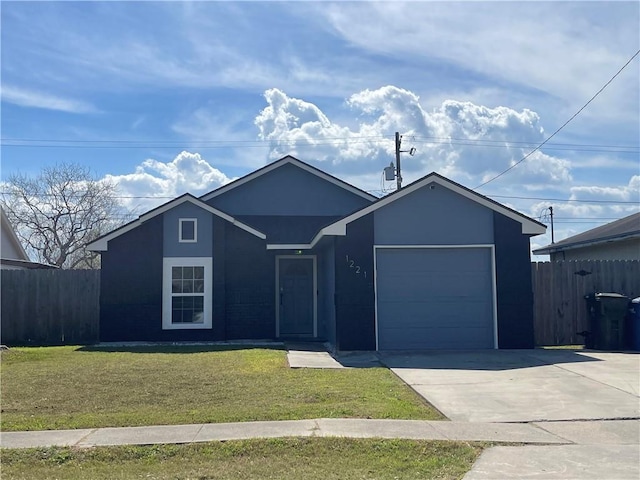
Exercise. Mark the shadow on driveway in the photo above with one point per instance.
(481, 359)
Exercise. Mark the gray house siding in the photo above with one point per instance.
(203, 246)
(355, 308)
(219, 312)
(326, 293)
(513, 282)
(131, 285)
(250, 286)
(433, 216)
(288, 190)
(287, 229)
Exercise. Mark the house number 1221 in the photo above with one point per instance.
(356, 268)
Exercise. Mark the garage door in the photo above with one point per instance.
(434, 298)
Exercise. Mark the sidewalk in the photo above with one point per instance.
(620, 432)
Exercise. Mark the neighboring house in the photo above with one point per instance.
(12, 253)
(290, 252)
(619, 240)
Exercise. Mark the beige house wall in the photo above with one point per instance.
(620, 250)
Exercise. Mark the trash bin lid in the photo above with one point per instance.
(610, 295)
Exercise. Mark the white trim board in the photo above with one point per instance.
(102, 244)
(279, 163)
(13, 237)
(494, 285)
(314, 259)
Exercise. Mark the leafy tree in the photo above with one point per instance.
(61, 210)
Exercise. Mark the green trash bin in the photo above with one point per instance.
(607, 312)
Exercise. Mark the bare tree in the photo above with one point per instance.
(61, 210)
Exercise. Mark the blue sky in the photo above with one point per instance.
(168, 97)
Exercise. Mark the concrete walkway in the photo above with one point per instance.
(619, 432)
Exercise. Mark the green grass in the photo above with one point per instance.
(287, 458)
(71, 387)
(562, 347)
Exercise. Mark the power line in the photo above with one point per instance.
(561, 126)
(614, 202)
(226, 142)
(413, 139)
(562, 200)
(212, 145)
(586, 218)
(352, 138)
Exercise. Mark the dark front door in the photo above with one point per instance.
(296, 309)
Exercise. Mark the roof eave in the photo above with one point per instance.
(555, 248)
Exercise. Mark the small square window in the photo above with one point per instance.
(188, 230)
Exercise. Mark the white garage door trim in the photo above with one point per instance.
(494, 299)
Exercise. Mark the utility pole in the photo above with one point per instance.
(398, 175)
(551, 215)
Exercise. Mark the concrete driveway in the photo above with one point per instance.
(523, 385)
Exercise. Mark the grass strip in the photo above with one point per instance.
(285, 458)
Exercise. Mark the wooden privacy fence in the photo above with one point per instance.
(560, 309)
(49, 307)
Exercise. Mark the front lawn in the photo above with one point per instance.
(73, 387)
(286, 458)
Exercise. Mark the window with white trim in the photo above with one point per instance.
(188, 230)
(187, 293)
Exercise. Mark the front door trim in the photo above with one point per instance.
(313, 258)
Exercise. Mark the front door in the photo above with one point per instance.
(296, 302)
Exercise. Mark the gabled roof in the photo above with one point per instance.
(529, 226)
(10, 234)
(101, 243)
(622, 229)
(280, 163)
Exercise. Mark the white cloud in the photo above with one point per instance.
(155, 182)
(626, 193)
(33, 99)
(544, 46)
(574, 217)
(466, 142)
